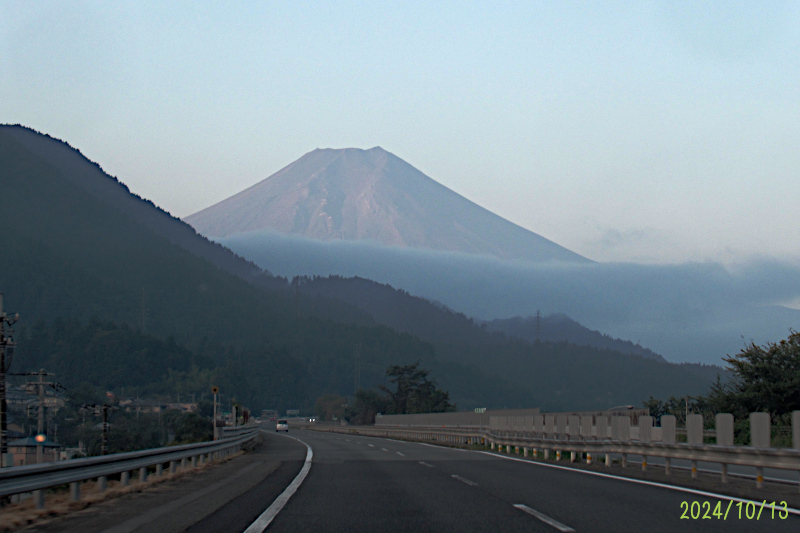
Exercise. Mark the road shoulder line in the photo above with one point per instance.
(265, 519)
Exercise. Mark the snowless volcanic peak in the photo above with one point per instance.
(353, 194)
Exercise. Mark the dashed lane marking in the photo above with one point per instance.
(544, 518)
(465, 480)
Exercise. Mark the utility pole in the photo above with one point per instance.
(40, 384)
(538, 320)
(686, 420)
(215, 391)
(40, 425)
(6, 353)
(104, 446)
(103, 410)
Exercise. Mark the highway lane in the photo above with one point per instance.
(370, 484)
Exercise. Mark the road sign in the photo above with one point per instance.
(480, 410)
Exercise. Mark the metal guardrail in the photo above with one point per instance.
(36, 478)
(760, 458)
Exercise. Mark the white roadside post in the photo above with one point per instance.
(723, 424)
(645, 435)
(694, 435)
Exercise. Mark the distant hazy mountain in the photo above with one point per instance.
(372, 195)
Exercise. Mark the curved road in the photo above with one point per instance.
(371, 484)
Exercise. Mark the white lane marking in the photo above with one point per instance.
(400, 454)
(445, 447)
(600, 474)
(347, 440)
(465, 480)
(265, 519)
(544, 518)
(384, 449)
(371, 445)
(640, 482)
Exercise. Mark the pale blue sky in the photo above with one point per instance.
(630, 131)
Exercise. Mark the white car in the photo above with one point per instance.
(282, 425)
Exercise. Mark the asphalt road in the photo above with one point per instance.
(370, 484)
(365, 484)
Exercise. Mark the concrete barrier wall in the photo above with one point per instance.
(472, 419)
(594, 425)
(466, 418)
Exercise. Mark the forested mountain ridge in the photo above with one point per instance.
(558, 328)
(400, 310)
(90, 177)
(437, 323)
(68, 255)
(606, 370)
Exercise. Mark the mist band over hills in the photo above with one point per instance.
(696, 312)
(368, 213)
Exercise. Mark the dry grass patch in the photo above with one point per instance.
(57, 502)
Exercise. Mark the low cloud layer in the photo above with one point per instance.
(695, 312)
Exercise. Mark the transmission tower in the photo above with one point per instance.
(357, 369)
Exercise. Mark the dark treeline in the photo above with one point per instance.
(764, 379)
(410, 391)
(591, 371)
